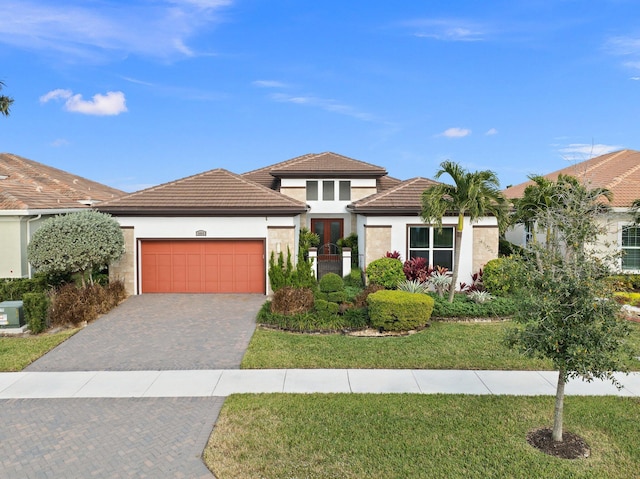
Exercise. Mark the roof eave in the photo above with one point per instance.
(146, 211)
(327, 174)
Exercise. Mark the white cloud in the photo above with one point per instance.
(584, 151)
(59, 142)
(634, 78)
(455, 133)
(491, 131)
(112, 103)
(452, 30)
(324, 104)
(55, 94)
(269, 84)
(107, 29)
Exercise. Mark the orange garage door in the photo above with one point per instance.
(220, 266)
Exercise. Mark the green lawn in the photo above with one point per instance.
(18, 352)
(444, 345)
(416, 436)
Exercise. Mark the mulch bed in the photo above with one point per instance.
(571, 447)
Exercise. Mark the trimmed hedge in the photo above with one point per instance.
(330, 283)
(36, 307)
(503, 276)
(15, 289)
(399, 310)
(387, 272)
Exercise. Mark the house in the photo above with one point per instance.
(215, 231)
(619, 172)
(31, 192)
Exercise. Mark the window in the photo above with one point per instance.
(631, 248)
(345, 191)
(433, 245)
(312, 191)
(327, 190)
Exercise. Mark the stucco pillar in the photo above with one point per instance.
(124, 268)
(313, 256)
(346, 261)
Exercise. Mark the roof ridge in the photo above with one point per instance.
(289, 161)
(393, 189)
(618, 179)
(603, 162)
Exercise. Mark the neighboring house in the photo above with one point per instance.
(215, 231)
(31, 192)
(619, 172)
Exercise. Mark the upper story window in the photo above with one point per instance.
(329, 190)
(345, 191)
(312, 191)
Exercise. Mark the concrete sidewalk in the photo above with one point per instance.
(223, 382)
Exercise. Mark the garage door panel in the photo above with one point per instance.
(216, 266)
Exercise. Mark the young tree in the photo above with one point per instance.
(5, 102)
(475, 194)
(567, 313)
(76, 243)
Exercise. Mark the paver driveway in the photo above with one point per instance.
(161, 332)
(130, 437)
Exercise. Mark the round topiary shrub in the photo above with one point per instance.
(399, 310)
(387, 272)
(330, 283)
(502, 276)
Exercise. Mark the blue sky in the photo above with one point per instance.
(139, 92)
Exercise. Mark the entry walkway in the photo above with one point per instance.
(223, 382)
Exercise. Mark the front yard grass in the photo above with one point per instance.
(416, 436)
(16, 353)
(443, 345)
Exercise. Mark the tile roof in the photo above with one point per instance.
(403, 198)
(214, 192)
(29, 185)
(325, 164)
(618, 171)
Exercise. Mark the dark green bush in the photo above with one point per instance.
(36, 306)
(337, 297)
(324, 305)
(399, 310)
(625, 282)
(313, 321)
(330, 283)
(354, 278)
(352, 292)
(290, 300)
(386, 272)
(14, 289)
(503, 276)
(463, 307)
(356, 318)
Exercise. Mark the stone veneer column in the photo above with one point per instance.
(279, 238)
(124, 268)
(485, 245)
(377, 241)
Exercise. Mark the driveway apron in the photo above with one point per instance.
(161, 332)
(130, 437)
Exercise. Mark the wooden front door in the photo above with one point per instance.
(329, 231)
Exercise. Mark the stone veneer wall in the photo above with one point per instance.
(299, 194)
(485, 245)
(359, 193)
(377, 241)
(285, 236)
(124, 268)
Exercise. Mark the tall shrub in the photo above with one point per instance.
(36, 306)
(386, 272)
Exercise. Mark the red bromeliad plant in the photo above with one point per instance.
(476, 283)
(417, 269)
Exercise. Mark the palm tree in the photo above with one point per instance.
(536, 197)
(5, 102)
(474, 194)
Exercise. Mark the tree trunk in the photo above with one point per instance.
(456, 261)
(557, 413)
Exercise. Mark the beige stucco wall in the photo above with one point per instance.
(299, 194)
(359, 193)
(485, 245)
(377, 242)
(124, 268)
(12, 248)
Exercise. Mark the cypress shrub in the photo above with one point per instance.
(36, 307)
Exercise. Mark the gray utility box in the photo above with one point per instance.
(11, 314)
